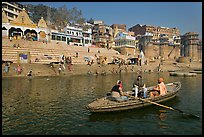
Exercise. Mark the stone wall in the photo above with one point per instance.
(152, 50)
(125, 51)
(193, 52)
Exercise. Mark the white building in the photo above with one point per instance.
(73, 36)
(123, 40)
(22, 27)
(125, 44)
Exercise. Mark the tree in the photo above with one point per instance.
(76, 16)
(59, 17)
(30, 9)
(80, 21)
(38, 11)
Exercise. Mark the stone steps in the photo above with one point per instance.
(39, 49)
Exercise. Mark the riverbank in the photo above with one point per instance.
(97, 69)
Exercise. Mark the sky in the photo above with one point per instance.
(186, 16)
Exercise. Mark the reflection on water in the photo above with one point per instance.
(162, 115)
(56, 105)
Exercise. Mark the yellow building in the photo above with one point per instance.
(22, 27)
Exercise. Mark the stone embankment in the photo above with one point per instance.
(79, 67)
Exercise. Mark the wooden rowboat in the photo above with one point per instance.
(105, 104)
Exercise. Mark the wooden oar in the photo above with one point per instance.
(146, 100)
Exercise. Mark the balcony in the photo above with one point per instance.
(11, 11)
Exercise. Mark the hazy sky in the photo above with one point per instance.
(187, 16)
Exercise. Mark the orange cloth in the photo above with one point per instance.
(162, 88)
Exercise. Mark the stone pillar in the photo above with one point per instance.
(190, 51)
(195, 52)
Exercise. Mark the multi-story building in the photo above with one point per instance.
(23, 27)
(144, 40)
(102, 35)
(156, 31)
(73, 35)
(11, 9)
(161, 47)
(125, 44)
(20, 27)
(190, 44)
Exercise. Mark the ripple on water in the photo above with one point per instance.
(59, 108)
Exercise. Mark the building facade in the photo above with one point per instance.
(190, 47)
(162, 47)
(22, 27)
(102, 35)
(156, 31)
(125, 44)
(11, 9)
(73, 35)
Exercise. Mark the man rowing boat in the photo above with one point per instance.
(160, 89)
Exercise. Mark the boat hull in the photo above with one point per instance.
(106, 105)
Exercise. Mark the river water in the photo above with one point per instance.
(56, 106)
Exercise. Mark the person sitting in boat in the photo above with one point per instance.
(139, 87)
(117, 92)
(160, 89)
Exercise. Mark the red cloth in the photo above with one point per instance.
(121, 85)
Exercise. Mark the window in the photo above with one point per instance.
(10, 15)
(63, 38)
(86, 41)
(53, 37)
(10, 8)
(58, 37)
